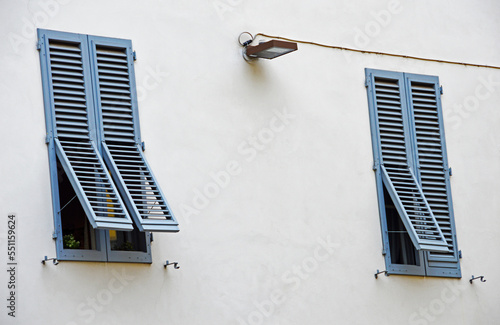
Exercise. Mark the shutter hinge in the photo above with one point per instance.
(441, 90)
(54, 235)
(47, 139)
(39, 45)
(450, 171)
(143, 146)
(367, 82)
(150, 237)
(460, 254)
(134, 55)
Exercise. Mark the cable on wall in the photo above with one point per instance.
(379, 53)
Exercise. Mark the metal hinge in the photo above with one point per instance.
(460, 254)
(39, 45)
(441, 90)
(143, 146)
(450, 172)
(47, 139)
(54, 235)
(134, 55)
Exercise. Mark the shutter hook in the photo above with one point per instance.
(378, 272)
(481, 278)
(167, 263)
(54, 260)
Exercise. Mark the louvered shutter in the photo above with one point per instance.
(388, 97)
(66, 78)
(432, 166)
(112, 65)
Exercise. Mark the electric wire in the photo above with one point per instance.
(379, 53)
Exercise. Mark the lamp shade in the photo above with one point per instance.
(271, 49)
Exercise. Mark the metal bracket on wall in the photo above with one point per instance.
(54, 260)
(378, 272)
(481, 278)
(167, 263)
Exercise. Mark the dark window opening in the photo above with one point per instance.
(77, 231)
(401, 247)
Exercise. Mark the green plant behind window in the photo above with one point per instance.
(70, 242)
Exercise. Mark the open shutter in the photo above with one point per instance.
(388, 97)
(112, 65)
(65, 68)
(432, 165)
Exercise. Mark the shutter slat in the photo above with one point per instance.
(102, 52)
(111, 59)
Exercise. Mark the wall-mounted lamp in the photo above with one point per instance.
(271, 49)
(266, 50)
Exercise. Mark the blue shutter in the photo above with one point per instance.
(394, 147)
(71, 129)
(424, 100)
(113, 70)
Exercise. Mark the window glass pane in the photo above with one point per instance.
(128, 240)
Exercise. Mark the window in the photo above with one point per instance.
(106, 200)
(412, 174)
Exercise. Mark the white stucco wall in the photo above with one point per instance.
(200, 105)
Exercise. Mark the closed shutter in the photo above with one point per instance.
(65, 68)
(432, 166)
(395, 160)
(112, 65)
